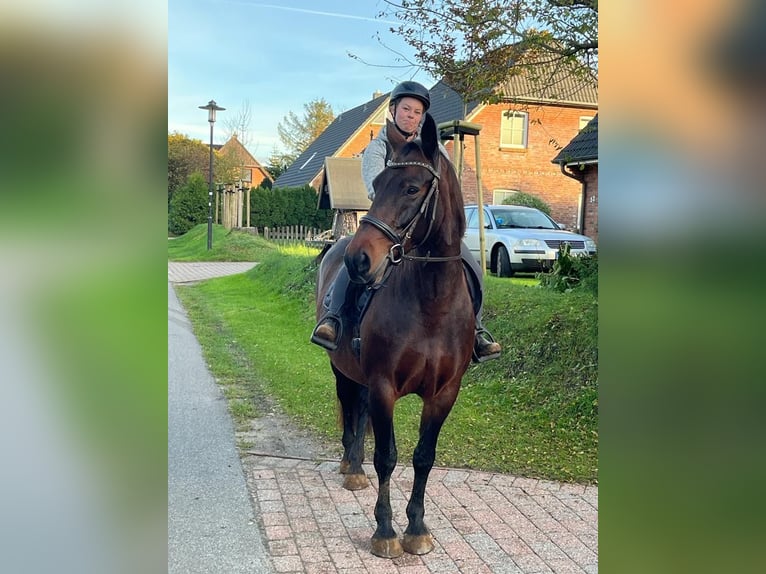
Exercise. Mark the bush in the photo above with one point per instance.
(287, 206)
(529, 200)
(571, 273)
(188, 206)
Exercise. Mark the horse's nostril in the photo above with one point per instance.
(358, 264)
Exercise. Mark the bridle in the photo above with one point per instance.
(396, 253)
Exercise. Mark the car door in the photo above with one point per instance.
(472, 231)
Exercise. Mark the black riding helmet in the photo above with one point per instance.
(412, 90)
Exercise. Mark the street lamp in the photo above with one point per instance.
(211, 108)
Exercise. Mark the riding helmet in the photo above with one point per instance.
(412, 90)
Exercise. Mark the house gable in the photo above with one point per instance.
(252, 171)
(579, 160)
(344, 136)
(552, 118)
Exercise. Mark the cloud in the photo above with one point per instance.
(316, 12)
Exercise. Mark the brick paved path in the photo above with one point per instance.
(482, 522)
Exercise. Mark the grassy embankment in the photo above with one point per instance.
(533, 412)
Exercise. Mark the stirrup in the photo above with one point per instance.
(475, 356)
(324, 343)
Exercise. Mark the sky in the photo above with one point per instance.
(277, 57)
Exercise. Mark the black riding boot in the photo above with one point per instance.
(485, 347)
(327, 332)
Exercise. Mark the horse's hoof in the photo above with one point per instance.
(387, 547)
(344, 466)
(420, 544)
(356, 482)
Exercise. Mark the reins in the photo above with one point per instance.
(396, 254)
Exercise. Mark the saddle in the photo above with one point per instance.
(357, 300)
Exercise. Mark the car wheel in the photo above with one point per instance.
(503, 263)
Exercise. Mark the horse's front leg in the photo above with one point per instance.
(353, 409)
(417, 538)
(384, 541)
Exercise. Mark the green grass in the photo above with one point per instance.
(227, 246)
(533, 412)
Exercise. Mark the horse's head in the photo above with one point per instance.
(417, 206)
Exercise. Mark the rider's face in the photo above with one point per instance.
(407, 114)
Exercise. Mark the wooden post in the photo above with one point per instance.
(217, 201)
(248, 207)
(480, 200)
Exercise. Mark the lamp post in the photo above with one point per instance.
(211, 108)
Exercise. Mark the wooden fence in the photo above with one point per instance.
(289, 233)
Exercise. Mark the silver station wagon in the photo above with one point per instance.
(520, 239)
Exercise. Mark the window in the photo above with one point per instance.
(472, 220)
(513, 129)
(499, 195)
(584, 121)
(380, 118)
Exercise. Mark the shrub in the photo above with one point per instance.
(529, 200)
(287, 206)
(571, 272)
(188, 206)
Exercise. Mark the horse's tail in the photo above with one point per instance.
(361, 403)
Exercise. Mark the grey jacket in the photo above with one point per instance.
(374, 160)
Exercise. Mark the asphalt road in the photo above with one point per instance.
(211, 525)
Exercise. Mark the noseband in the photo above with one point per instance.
(397, 253)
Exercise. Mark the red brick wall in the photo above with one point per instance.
(360, 141)
(529, 170)
(590, 219)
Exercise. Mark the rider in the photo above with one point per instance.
(409, 103)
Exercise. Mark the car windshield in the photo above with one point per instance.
(521, 219)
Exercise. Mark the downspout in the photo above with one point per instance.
(581, 206)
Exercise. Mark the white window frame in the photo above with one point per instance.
(508, 121)
(584, 121)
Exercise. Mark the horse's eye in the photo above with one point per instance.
(412, 190)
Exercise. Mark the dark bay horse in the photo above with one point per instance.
(418, 330)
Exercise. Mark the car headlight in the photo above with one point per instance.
(590, 245)
(530, 244)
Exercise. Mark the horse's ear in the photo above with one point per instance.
(395, 137)
(429, 138)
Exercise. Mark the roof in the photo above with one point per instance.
(550, 82)
(583, 148)
(308, 165)
(343, 187)
(446, 104)
(237, 148)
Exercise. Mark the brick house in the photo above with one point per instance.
(253, 173)
(518, 137)
(579, 160)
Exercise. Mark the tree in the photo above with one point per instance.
(476, 45)
(185, 156)
(278, 163)
(297, 134)
(238, 124)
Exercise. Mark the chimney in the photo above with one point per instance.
(376, 94)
